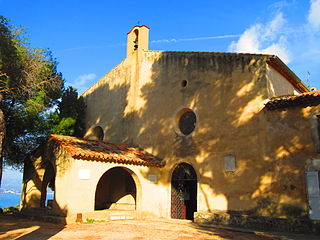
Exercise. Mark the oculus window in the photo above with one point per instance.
(187, 122)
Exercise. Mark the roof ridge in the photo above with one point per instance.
(305, 99)
(295, 95)
(226, 53)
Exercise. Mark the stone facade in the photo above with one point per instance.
(206, 110)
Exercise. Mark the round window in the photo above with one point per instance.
(187, 122)
(184, 83)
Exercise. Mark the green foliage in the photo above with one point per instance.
(65, 126)
(89, 220)
(25, 72)
(30, 85)
(10, 65)
(8, 210)
(31, 88)
(70, 115)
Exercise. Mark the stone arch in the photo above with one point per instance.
(183, 191)
(48, 180)
(118, 189)
(95, 133)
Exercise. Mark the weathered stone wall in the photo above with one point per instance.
(226, 92)
(32, 182)
(33, 199)
(258, 222)
(139, 103)
(107, 100)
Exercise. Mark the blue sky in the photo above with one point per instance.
(88, 37)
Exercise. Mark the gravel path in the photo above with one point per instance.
(22, 228)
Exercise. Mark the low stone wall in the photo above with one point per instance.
(258, 222)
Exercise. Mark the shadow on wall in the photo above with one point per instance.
(227, 93)
(119, 123)
(38, 176)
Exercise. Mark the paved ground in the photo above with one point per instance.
(22, 228)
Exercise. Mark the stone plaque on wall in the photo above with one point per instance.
(152, 178)
(230, 163)
(84, 174)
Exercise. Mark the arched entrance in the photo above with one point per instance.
(183, 192)
(98, 133)
(116, 190)
(47, 181)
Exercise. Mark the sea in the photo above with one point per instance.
(9, 199)
(13, 199)
(11, 187)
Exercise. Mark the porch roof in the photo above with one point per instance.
(93, 150)
(305, 99)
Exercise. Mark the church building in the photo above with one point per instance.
(186, 135)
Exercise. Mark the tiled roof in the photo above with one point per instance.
(138, 26)
(106, 152)
(306, 99)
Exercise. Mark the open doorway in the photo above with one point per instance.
(116, 190)
(183, 192)
(47, 188)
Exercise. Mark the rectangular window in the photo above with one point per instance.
(230, 163)
(313, 189)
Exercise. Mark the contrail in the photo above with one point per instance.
(173, 40)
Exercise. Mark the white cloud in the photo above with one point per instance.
(280, 49)
(294, 39)
(274, 27)
(248, 41)
(269, 38)
(314, 13)
(81, 80)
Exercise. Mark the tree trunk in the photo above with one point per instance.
(2, 133)
(1, 168)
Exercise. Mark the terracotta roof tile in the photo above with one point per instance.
(106, 152)
(305, 99)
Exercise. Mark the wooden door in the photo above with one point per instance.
(183, 192)
(178, 208)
